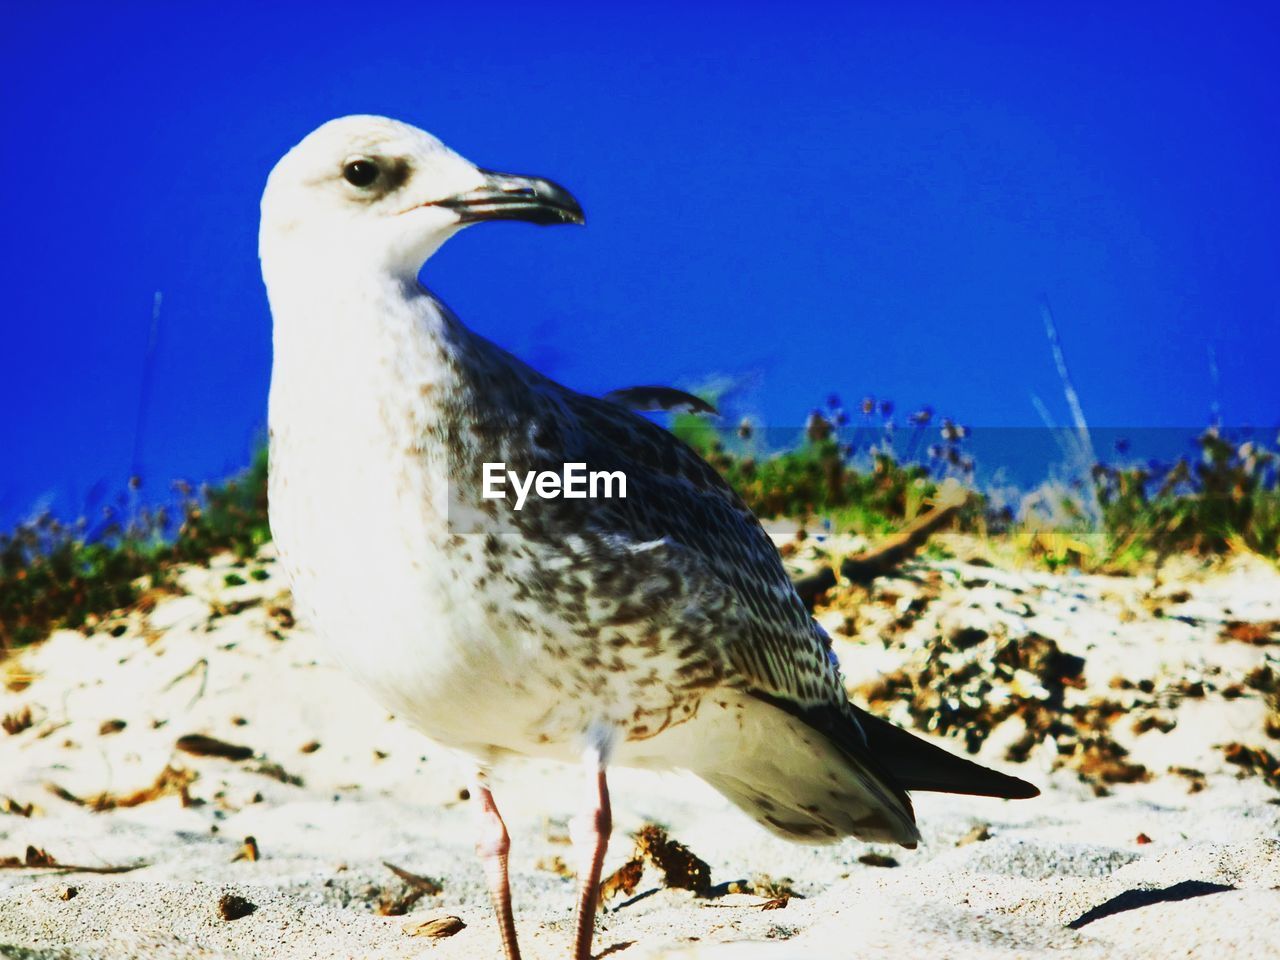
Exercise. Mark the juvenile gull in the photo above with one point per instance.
(659, 630)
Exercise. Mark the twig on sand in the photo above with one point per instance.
(171, 780)
(393, 904)
(38, 859)
(888, 555)
(428, 886)
(203, 666)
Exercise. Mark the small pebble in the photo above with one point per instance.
(877, 860)
(437, 928)
(233, 907)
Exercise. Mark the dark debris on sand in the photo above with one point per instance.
(967, 682)
(436, 929)
(397, 902)
(680, 867)
(233, 907)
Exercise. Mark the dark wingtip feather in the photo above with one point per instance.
(917, 764)
(1022, 790)
(646, 399)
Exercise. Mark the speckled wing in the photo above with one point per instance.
(768, 636)
(681, 562)
(778, 654)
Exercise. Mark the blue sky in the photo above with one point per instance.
(860, 198)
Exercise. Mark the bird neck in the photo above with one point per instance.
(343, 338)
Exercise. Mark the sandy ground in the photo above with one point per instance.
(1176, 866)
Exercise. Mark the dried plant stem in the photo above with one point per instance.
(1083, 439)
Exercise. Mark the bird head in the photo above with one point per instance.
(377, 193)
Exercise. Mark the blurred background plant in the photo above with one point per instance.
(872, 477)
(1225, 499)
(864, 473)
(58, 575)
(859, 474)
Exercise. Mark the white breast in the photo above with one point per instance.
(358, 505)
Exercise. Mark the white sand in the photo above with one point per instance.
(1061, 873)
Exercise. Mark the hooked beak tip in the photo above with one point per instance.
(506, 196)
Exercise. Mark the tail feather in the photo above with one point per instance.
(793, 779)
(818, 774)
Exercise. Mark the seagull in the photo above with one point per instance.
(656, 630)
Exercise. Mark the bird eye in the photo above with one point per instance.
(360, 173)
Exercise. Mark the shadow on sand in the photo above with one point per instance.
(1136, 899)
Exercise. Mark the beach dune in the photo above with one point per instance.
(124, 834)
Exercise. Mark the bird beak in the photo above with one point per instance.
(507, 196)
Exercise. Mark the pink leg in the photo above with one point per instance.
(493, 846)
(591, 838)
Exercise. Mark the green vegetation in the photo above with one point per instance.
(816, 479)
(849, 476)
(1228, 499)
(231, 517)
(54, 575)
